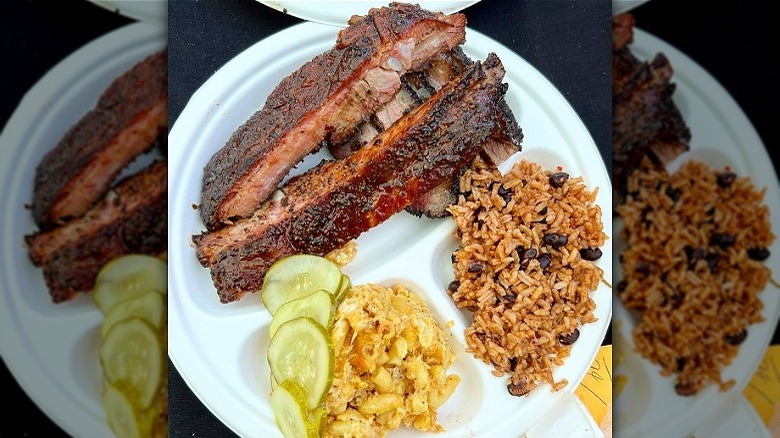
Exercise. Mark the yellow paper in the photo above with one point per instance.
(763, 391)
(595, 390)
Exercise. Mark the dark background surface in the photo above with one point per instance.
(562, 39)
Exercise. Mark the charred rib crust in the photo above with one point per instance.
(296, 99)
(337, 201)
(128, 96)
(132, 221)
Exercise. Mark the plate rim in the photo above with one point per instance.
(314, 17)
(37, 99)
(203, 97)
(148, 14)
(681, 62)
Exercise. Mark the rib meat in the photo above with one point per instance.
(416, 87)
(645, 119)
(130, 219)
(127, 119)
(338, 200)
(324, 99)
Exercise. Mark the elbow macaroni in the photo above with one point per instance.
(391, 364)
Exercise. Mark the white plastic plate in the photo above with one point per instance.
(52, 349)
(220, 349)
(337, 13)
(721, 135)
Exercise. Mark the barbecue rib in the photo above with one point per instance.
(645, 120)
(323, 100)
(416, 87)
(126, 121)
(338, 200)
(130, 219)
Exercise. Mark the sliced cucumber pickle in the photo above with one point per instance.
(291, 412)
(319, 306)
(297, 276)
(344, 286)
(131, 354)
(121, 415)
(129, 276)
(320, 419)
(149, 306)
(302, 351)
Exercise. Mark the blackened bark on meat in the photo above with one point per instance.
(645, 120)
(338, 200)
(127, 119)
(324, 99)
(131, 219)
(420, 85)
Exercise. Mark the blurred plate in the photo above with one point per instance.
(220, 349)
(623, 6)
(52, 349)
(337, 13)
(721, 135)
(149, 11)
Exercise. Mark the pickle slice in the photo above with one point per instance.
(320, 306)
(128, 276)
(131, 354)
(344, 286)
(320, 418)
(302, 351)
(297, 276)
(120, 413)
(291, 412)
(149, 306)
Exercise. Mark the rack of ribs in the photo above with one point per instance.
(337, 201)
(323, 101)
(131, 218)
(417, 87)
(130, 118)
(645, 119)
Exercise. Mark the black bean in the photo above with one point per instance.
(685, 389)
(518, 390)
(555, 240)
(726, 179)
(505, 194)
(558, 178)
(673, 194)
(475, 267)
(621, 286)
(545, 261)
(759, 253)
(510, 297)
(712, 261)
(680, 363)
(644, 268)
(694, 254)
(736, 338)
(590, 253)
(453, 286)
(530, 254)
(569, 338)
(723, 240)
